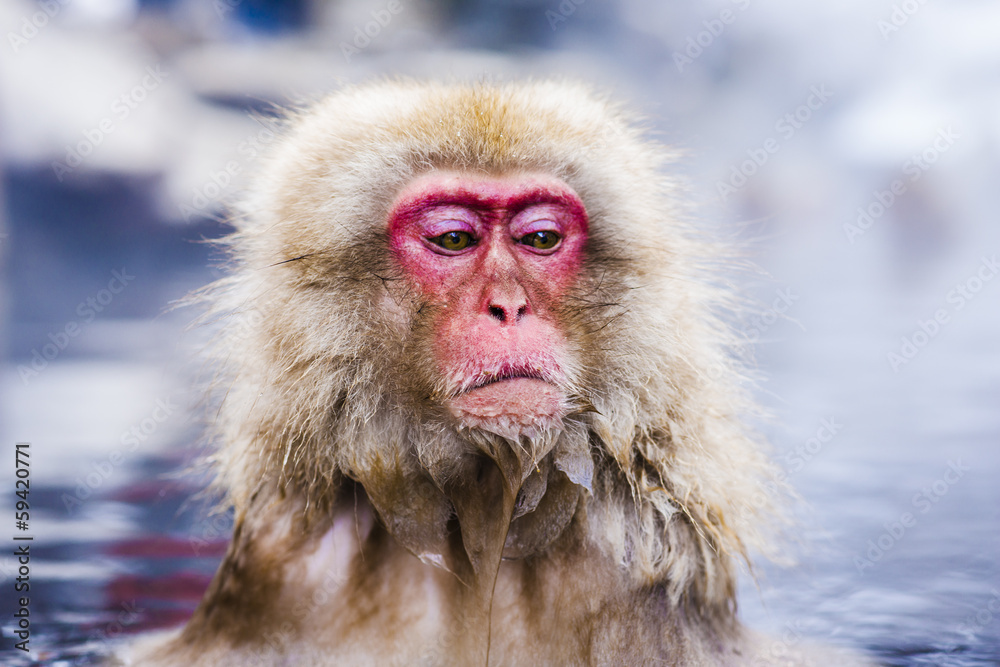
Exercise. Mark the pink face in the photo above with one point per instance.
(497, 255)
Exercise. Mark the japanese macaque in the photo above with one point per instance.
(479, 407)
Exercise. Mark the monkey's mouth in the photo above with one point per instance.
(477, 376)
(506, 374)
(509, 400)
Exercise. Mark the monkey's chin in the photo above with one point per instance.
(517, 406)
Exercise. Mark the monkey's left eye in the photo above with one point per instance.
(543, 240)
(454, 241)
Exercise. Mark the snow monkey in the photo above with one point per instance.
(479, 404)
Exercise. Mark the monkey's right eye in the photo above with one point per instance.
(454, 241)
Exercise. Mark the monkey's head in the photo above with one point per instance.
(492, 258)
(464, 297)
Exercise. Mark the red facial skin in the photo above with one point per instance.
(497, 343)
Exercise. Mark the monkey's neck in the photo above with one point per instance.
(346, 587)
(484, 516)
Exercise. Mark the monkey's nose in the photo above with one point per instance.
(505, 300)
(507, 311)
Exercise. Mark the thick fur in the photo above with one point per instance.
(343, 469)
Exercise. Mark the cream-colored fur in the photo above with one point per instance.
(323, 377)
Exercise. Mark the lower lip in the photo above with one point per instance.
(524, 399)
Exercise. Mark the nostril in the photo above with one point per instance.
(521, 312)
(498, 313)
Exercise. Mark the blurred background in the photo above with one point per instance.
(851, 148)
